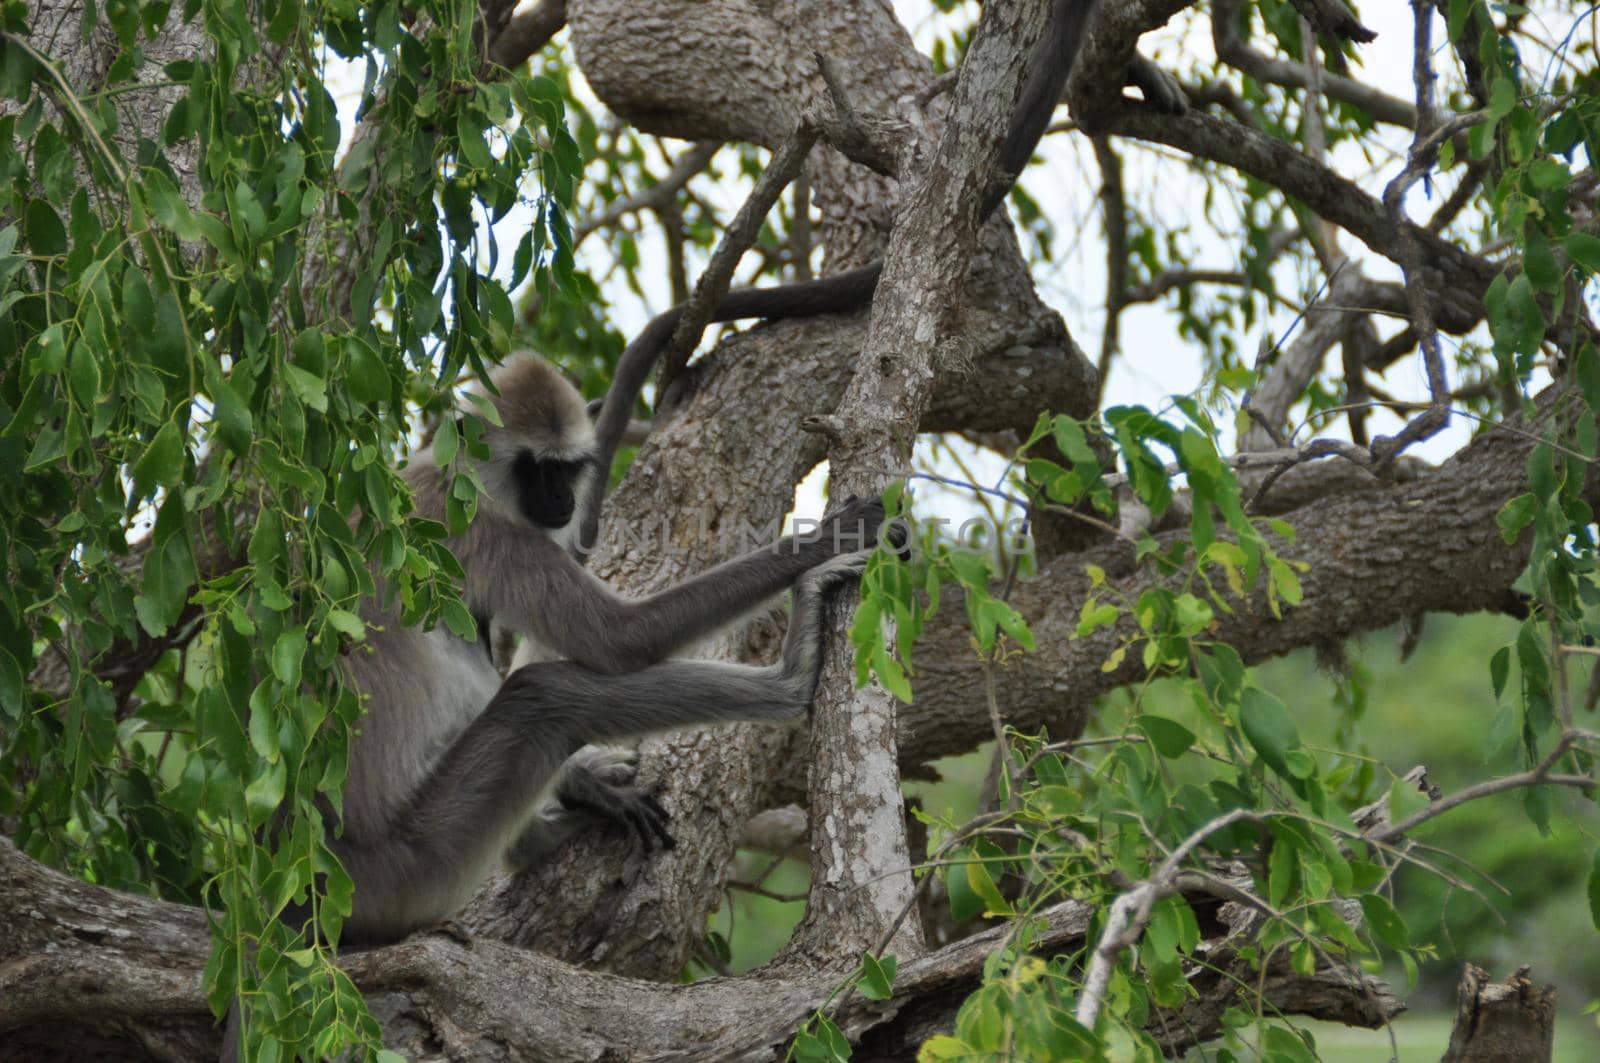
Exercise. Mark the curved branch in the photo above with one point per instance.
(87, 972)
(1378, 554)
(521, 34)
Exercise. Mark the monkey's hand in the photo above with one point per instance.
(852, 525)
(834, 573)
(597, 782)
(858, 524)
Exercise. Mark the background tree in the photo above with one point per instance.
(229, 308)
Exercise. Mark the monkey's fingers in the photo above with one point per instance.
(654, 819)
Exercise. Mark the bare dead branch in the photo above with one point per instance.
(1114, 216)
(1130, 913)
(1539, 775)
(736, 240)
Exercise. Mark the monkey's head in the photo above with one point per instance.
(544, 449)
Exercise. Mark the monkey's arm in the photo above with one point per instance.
(544, 593)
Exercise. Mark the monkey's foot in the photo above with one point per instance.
(599, 781)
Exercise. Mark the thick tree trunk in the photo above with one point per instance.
(729, 455)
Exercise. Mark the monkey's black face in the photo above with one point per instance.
(546, 488)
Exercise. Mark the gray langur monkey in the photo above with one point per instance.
(452, 769)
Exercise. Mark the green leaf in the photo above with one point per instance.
(287, 653)
(964, 900)
(877, 977)
(347, 623)
(168, 205)
(1384, 921)
(264, 735)
(1594, 890)
(891, 675)
(1502, 97)
(1587, 371)
(51, 348)
(1405, 800)
(1283, 1045)
(265, 793)
(1539, 262)
(1515, 515)
(162, 462)
(942, 1047)
(366, 377)
(44, 230)
(1269, 727)
(1094, 615)
(12, 687)
(84, 375)
(982, 881)
(1170, 738)
(445, 443)
(1499, 666)
(307, 387)
(1584, 249)
(232, 420)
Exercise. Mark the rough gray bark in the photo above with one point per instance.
(859, 894)
(1377, 555)
(91, 973)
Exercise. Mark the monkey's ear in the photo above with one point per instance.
(595, 406)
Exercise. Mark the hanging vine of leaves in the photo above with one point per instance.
(215, 344)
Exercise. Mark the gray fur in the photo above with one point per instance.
(452, 768)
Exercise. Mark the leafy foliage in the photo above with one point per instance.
(221, 340)
(1228, 780)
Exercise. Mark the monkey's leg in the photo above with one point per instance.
(481, 792)
(479, 796)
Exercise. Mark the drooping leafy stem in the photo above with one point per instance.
(221, 340)
(1528, 143)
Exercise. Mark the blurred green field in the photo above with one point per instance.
(1423, 1037)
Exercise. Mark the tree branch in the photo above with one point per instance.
(87, 972)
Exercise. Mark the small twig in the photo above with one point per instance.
(1538, 775)
(845, 129)
(1130, 913)
(1166, 280)
(1114, 216)
(1430, 134)
(740, 235)
(761, 891)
